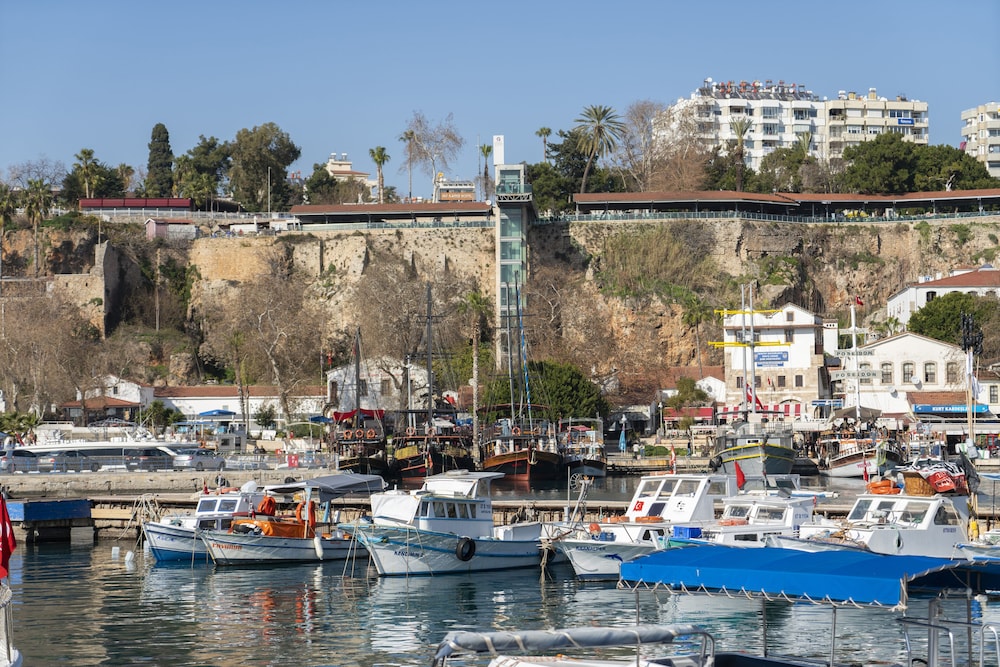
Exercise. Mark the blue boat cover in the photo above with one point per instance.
(850, 577)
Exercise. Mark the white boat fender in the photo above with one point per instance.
(129, 556)
(318, 546)
(465, 549)
(115, 552)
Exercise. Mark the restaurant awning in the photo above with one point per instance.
(775, 410)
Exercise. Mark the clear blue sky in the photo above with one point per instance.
(348, 76)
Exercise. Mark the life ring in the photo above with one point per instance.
(310, 513)
(648, 519)
(267, 505)
(465, 549)
(516, 430)
(614, 519)
(733, 522)
(360, 433)
(370, 434)
(595, 527)
(410, 430)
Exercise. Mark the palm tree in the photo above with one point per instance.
(8, 206)
(379, 157)
(36, 208)
(126, 172)
(544, 133)
(478, 308)
(600, 131)
(408, 138)
(85, 163)
(740, 127)
(486, 150)
(696, 311)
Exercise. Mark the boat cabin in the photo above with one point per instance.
(678, 498)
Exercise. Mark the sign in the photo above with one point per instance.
(829, 402)
(770, 358)
(904, 121)
(926, 407)
(863, 375)
(855, 352)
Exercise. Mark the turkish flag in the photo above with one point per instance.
(741, 479)
(858, 301)
(7, 541)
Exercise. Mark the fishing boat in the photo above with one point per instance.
(445, 527)
(749, 520)
(523, 450)
(915, 521)
(310, 534)
(778, 578)
(582, 443)
(660, 501)
(175, 537)
(754, 448)
(859, 457)
(358, 435)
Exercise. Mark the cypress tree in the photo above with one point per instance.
(160, 178)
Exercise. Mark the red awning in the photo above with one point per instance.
(769, 410)
(670, 414)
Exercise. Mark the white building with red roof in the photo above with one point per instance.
(982, 281)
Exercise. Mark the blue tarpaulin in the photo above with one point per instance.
(855, 577)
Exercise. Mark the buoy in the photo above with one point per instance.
(129, 556)
(116, 552)
(318, 546)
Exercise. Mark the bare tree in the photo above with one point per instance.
(433, 147)
(681, 155)
(638, 155)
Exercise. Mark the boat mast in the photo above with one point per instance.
(430, 370)
(510, 357)
(524, 356)
(857, 367)
(752, 397)
(357, 378)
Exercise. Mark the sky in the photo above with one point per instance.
(346, 77)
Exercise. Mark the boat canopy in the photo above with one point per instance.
(855, 578)
(549, 640)
(330, 487)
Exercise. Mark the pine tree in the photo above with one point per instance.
(160, 178)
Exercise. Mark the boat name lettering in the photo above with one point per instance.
(234, 547)
(406, 553)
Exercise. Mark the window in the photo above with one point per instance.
(756, 381)
(951, 372)
(781, 381)
(930, 297)
(994, 398)
(363, 388)
(908, 368)
(886, 372)
(798, 381)
(739, 382)
(865, 367)
(385, 387)
(930, 372)
(789, 316)
(789, 335)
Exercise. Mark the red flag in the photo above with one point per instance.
(7, 541)
(858, 301)
(752, 397)
(741, 479)
(864, 469)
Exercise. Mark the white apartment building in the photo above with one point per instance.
(779, 114)
(981, 135)
(982, 281)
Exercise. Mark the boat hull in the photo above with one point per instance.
(526, 465)
(241, 549)
(174, 542)
(588, 467)
(594, 560)
(401, 551)
(757, 460)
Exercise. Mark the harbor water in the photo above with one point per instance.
(111, 604)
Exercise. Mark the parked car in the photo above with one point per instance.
(69, 460)
(18, 460)
(198, 459)
(153, 458)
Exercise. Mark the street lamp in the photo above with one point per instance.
(659, 426)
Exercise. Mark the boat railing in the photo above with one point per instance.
(7, 622)
(944, 628)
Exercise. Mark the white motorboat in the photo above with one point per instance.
(659, 503)
(748, 520)
(175, 537)
(306, 536)
(446, 526)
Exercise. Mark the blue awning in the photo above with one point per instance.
(217, 413)
(850, 577)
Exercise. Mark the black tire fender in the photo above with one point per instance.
(465, 549)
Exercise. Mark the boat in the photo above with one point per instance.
(444, 527)
(571, 645)
(754, 448)
(358, 433)
(776, 577)
(660, 501)
(9, 656)
(749, 520)
(523, 450)
(859, 457)
(582, 443)
(268, 536)
(914, 521)
(175, 536)
(431, 441)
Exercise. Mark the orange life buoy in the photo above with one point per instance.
(298, 511)
(267, 505)
(885, 490)
(310, 513)
(410, 430)
(614, 519)
(370, 434)
(360, 433)
(516, 431)
(595, 527)
(648, 519)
